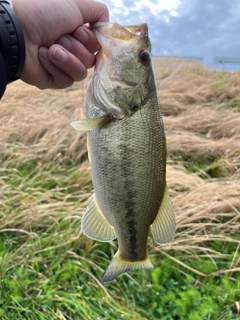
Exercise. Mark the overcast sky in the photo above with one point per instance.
(206, 28)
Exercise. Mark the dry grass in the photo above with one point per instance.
(35, 124)
(201, 116)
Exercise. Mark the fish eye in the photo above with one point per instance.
(144, 56)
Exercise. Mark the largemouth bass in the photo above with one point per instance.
(127, 149)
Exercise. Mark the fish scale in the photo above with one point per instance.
(127, 152)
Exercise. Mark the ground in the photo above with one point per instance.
(49, 270)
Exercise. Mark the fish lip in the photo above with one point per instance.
(140, 30)
(100, 24)
(109, 33)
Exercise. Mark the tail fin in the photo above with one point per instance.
(119, 265)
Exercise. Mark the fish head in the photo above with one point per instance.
(123, 70)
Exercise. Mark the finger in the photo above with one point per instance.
(57, 78)
(93, 11)
(67, 62)
(77, 49)
(87, 38)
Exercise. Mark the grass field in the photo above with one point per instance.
(48, 270)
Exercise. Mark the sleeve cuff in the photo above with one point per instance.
(12, 45)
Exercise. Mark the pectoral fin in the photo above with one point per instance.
(90, 124)
(164, 225)
(95, 225)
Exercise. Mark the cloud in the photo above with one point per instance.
(194, 27)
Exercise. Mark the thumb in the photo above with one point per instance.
(93, 11)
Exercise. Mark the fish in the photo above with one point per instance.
(127, 149)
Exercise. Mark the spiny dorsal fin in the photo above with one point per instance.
(95, 225)
(164, 225)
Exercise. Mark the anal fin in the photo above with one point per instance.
(164, 226)
(95, 225)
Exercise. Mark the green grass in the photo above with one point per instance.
(206, 169)
(49, 271)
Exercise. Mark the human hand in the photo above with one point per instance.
(60, 46)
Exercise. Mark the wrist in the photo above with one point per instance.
(12, 45)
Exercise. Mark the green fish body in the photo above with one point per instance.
(127, 150)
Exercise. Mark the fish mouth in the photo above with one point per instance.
(108, 33)
(117, 31)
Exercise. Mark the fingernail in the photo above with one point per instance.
(82, 35)
(60, 55)
(65, 42)
(43, 52)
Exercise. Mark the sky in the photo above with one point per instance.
(195, 28)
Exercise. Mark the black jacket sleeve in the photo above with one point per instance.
(3, 76)
(12, 46)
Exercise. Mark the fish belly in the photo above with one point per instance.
(128, 160)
